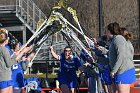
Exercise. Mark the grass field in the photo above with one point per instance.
(40, 76)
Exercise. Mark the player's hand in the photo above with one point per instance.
(24, 58)
(112, 74)
(51, 48)
(86, 64)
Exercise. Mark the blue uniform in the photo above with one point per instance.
(17, 76)
(10, 51)
(84, 57)
(67, 73)
(105, 75)
(103, 61)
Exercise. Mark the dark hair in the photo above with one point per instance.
(123, 29)
(114, 28)
(67, 47)
(127, 35)
(102, 41)
(104, 38)
(12, 43)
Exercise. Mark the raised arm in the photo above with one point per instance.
(54, 54)
(21, 53)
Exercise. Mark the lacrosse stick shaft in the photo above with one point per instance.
(34, 35)
(81, 44)
(41, 44)
(66, 21)
(35, 55)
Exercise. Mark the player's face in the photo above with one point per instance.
(67, 52)
(17, 47)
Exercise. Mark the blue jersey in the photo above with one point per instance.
(17, 75)
(84, 57)
(69, 67)
(67, 73)
(103, 62)
(10, 51)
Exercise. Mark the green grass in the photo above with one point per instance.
(40, 76)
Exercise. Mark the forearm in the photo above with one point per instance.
(24, 65)
(21, 53)
(103, 50)
(54, 54)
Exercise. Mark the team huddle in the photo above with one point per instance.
(110, 66)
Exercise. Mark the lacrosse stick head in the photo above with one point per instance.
(55, 27)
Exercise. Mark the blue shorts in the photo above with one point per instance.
(5, 84)
(127, 77)
(72, 82)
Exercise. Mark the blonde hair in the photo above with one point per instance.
(129, 36)
(4, 30)
(3, 35)
(126, 34)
